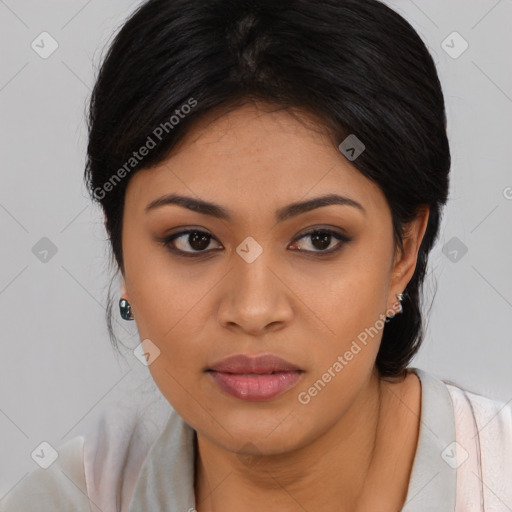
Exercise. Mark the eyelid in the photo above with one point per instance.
(323, 227)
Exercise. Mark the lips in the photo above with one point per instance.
(255, 378)
(243, 364)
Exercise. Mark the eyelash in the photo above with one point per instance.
(167, 241)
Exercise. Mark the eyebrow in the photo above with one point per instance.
(282, 214)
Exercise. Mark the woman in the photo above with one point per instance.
(272, 176)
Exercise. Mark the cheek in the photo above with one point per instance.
(352, 297)
(351, 306)
(169, 301)
(344, 359)
(164, 292)
(358, 305)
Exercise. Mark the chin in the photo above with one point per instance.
(262, 433)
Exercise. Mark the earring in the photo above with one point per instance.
(400, 297)
(125, 309)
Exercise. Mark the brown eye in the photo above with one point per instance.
(195, 242)
(321, 240)
(195, 239)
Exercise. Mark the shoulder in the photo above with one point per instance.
(99, 467)
(483, 429)
(115, 450)
(61, 486)
(492, 417)
(470, 408)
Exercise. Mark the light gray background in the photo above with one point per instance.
(58, 371)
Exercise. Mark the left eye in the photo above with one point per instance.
(320, 239)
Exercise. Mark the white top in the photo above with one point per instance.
(463, 461)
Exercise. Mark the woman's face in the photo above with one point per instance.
(257, 281)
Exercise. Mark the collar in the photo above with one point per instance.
(433, 484)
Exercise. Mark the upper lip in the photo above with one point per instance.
(241, 363)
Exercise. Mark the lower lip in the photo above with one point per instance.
(255, 387)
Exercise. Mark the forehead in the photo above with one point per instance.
(257, 156)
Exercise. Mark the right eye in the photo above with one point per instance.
(196, 239)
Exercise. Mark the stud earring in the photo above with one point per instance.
(125, 309)
(400, 297)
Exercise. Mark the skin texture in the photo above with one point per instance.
(352, 446)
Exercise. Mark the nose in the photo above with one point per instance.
(255, 298)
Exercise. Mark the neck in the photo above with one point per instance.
(337, 465)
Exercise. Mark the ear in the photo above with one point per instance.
(405, 261)
(123, 291)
